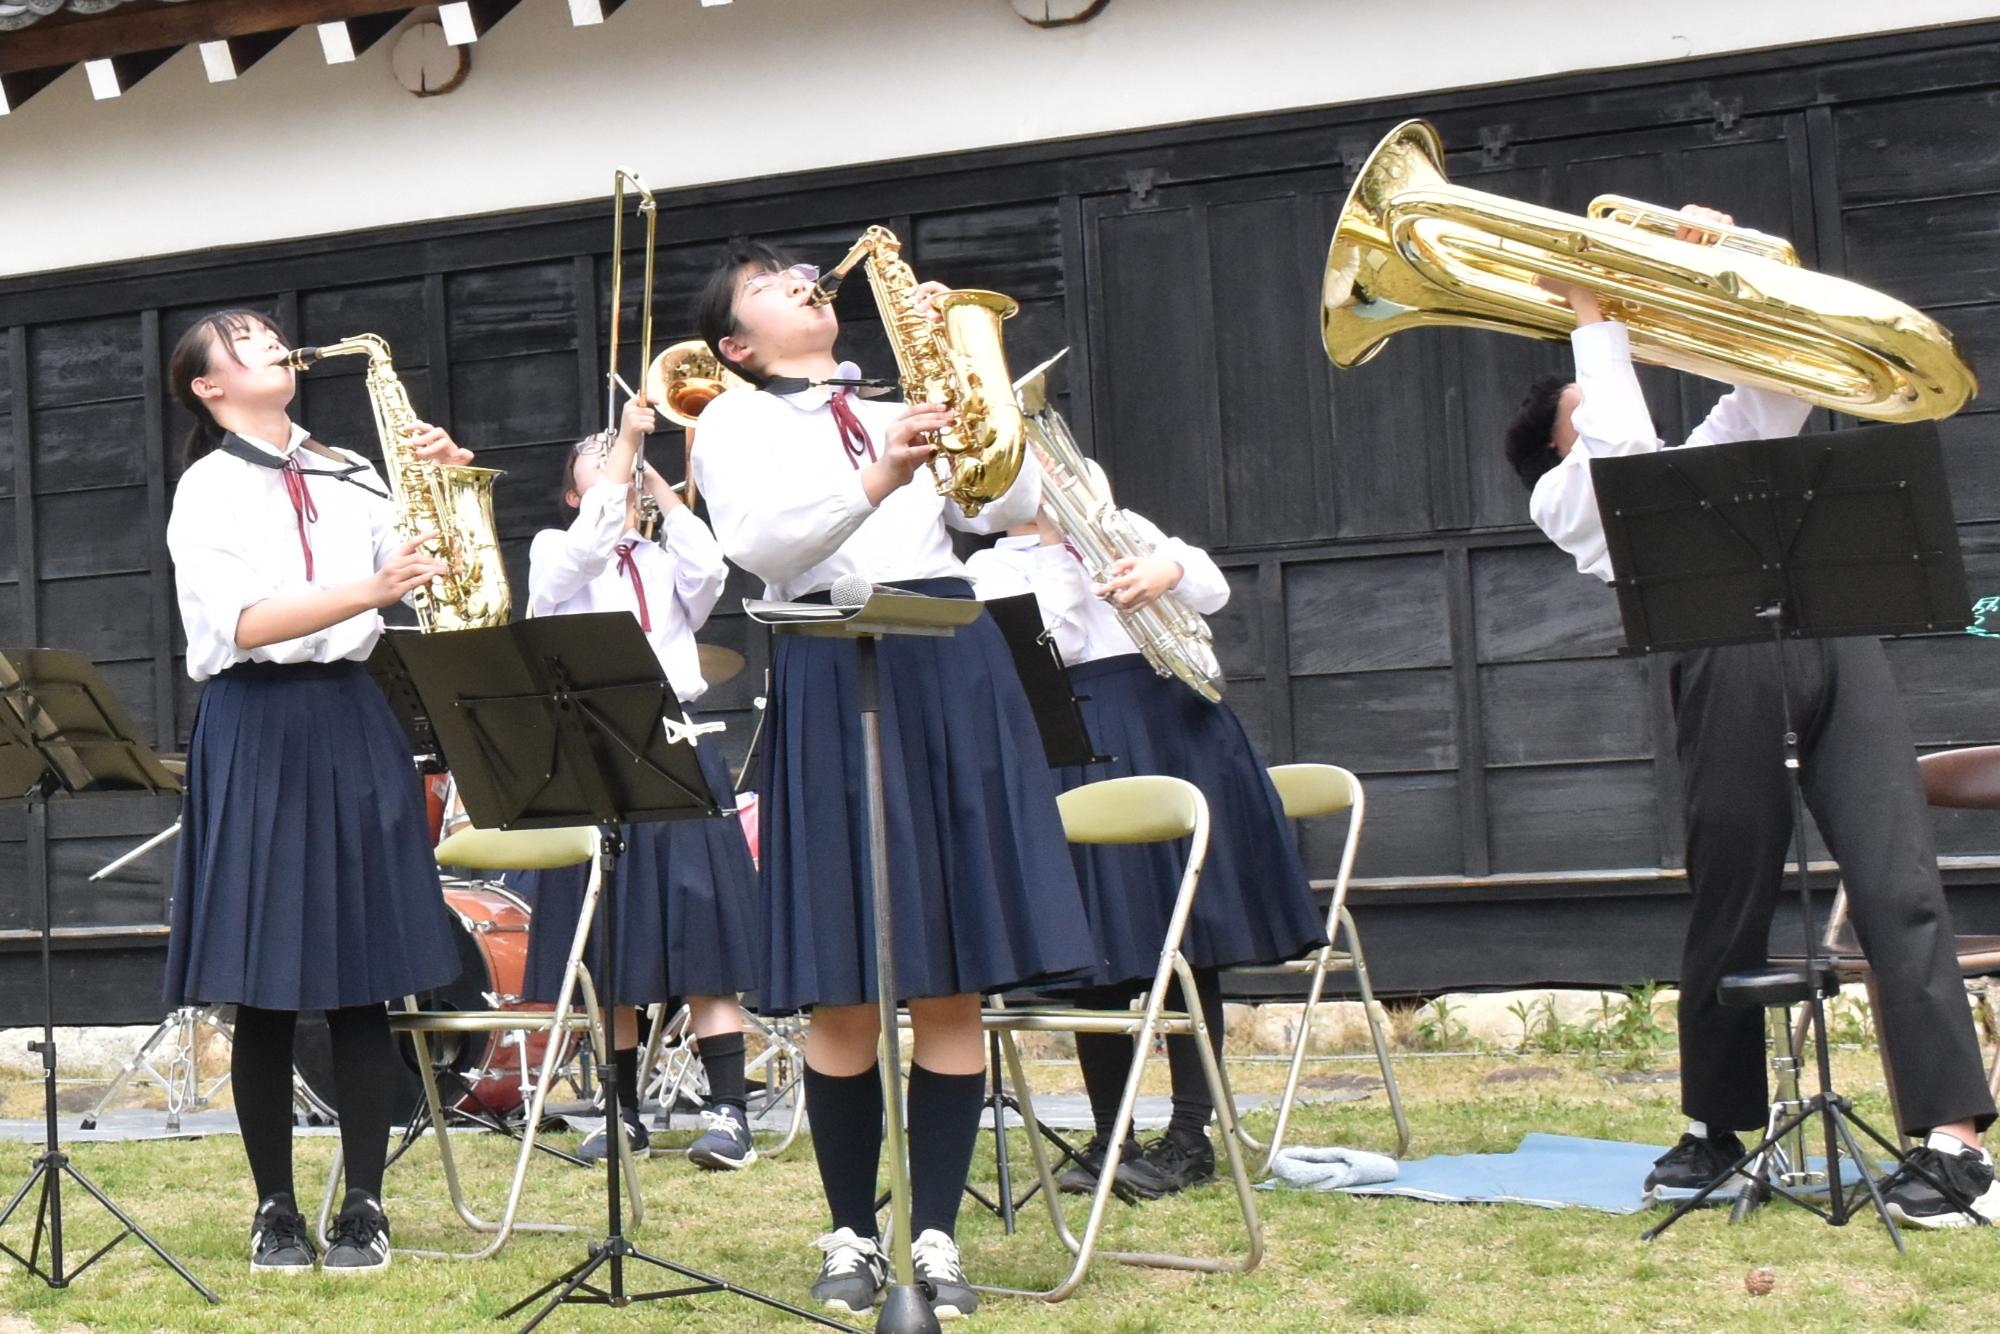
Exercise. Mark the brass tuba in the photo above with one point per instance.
(454, 501)
(960, 363)
(683, 380)
(1411, 249)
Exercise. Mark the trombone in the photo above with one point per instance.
(680, 381)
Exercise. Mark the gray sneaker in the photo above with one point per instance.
(595, 1147)
(939, 1274)
(852, 1276)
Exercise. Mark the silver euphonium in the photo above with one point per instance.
(1174, 638)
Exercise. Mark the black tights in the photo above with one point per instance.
(1106, 1058)
(364, 1092)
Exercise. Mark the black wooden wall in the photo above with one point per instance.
(1392, 610)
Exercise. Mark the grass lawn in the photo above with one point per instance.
(1332, 1261)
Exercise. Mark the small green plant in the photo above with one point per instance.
(1628, 1029)
(1848, 1022)
(1438, 1027)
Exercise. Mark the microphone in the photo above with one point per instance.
(851, 590)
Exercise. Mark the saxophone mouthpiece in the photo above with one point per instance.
(299, 358)
(826, 289)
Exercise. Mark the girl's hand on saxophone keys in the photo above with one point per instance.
(925, 295)
(1133, 585)
(411, 567)
(433, 444)
(906, 448)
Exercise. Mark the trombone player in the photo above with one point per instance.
(1861, 783)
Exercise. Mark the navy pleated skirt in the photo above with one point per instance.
(689, 910)
(304, 878)
(1254, 904)
(984, 892)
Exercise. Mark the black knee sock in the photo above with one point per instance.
(1192, 1104)
(944, 1126)
(722, 1061)
(364, 1090)
(260, 1076)
(625, 1069)
(1105, 1058)
(846, 1116)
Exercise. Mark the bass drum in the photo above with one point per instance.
(489, 1072)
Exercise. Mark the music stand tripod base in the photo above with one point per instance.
(62, 730)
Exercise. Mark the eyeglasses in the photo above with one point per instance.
(594, 444)
(763, 281)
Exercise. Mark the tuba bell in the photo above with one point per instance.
(1411, 249)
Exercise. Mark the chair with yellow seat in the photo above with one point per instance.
(495, 850)
(1139, 809)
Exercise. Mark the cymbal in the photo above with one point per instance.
(719, 664)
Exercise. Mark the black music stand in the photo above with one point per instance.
(63, 730)
(1767, 540)
(904, 1310)
(552, 723)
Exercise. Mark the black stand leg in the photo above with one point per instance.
(999, 1102)
(1836, 1115)
(576, 1285)
(52, 1165)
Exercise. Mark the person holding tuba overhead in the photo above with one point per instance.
(806, 483)
(1860, 778)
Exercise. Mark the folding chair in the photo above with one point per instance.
(1310, 790)
(1142, 809)
(498, 850)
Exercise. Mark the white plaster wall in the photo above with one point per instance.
(686, 94)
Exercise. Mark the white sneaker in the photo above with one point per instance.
(852, 1276)
(942, 1278)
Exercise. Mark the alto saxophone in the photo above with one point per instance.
(1174, 637)
(959, 362)
(450, 500)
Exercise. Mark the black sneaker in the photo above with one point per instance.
(1171, 1163)
(359, 1241)
(593, 1148)
(1080, 1177)
(1968, 1171)
(852, 1276)
(1693, 1163)
(726, 1145)
(279, 1242)
(935, 1258)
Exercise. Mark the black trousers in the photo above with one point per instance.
(1864, 791)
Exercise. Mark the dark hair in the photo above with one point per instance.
(192, 358)
(1531, 437)
(567, 512)
(715, 309)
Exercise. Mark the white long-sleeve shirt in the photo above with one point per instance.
(1085, 626)
(788, 504)
(234, 539)
(576, 569)
(1612, 420)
